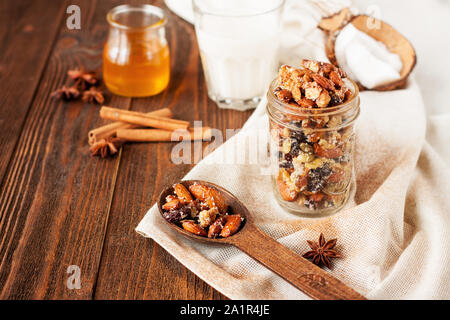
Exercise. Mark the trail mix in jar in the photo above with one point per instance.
(201, 210)
(312, 112)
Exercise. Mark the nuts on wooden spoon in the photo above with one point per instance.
(200, 210)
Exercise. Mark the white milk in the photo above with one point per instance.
(239, 55)
(236, 68)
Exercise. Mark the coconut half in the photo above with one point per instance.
(380, 31)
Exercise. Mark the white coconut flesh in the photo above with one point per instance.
(365, 59)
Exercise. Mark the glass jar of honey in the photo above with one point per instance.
(136, 60)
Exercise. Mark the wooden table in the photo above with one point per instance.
(60, 207)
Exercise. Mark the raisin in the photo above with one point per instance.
(286, 165)
(295, 148)
(310, 204)
(288, 157)
(297, 124)
(299, 136)
(335, 99)
(317, 178)
(175, 215)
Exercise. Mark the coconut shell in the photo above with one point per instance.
(335, 21)
(392, 39)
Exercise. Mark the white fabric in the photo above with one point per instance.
(394, 234)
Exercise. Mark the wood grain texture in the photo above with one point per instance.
(54, 200)
(27, 34)
(58, 206)
(146, 270)
(309, 278)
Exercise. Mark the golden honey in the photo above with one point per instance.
(145, 72)
(136, 59)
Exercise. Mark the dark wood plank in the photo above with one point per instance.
(55, 199)
(27, 35)
(133, 267)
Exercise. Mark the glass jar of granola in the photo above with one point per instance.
(312, 112)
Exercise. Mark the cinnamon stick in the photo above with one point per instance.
(154, 135)
(142, 119)
(110, 129)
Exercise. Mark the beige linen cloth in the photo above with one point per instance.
(393, 234)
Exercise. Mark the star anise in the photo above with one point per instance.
(93, 95)
(83, 79)
(66, 93)
(106, 147)
(322, 252)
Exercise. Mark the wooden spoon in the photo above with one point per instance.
(301, 273)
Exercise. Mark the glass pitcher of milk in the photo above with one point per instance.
(238, 42)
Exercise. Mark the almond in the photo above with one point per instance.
(305, 103)
(312, 90)
(194, 228)
(174, 204)
(199, 191)
(347, 94)
(209, 195)
(286, 192)
(217, 200)
(233, 222)
(327, 153)
(317, 197)
(315, 136)
(302, 181)
(294, 106)
(336, 176)
(323, 100)
(170, 197)
(183, 194)
(311, 65)
(216, 227)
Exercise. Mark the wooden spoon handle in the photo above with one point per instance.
(312, 280)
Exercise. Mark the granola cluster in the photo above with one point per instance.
(317, 85)
(201, 210)
(313, 147)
